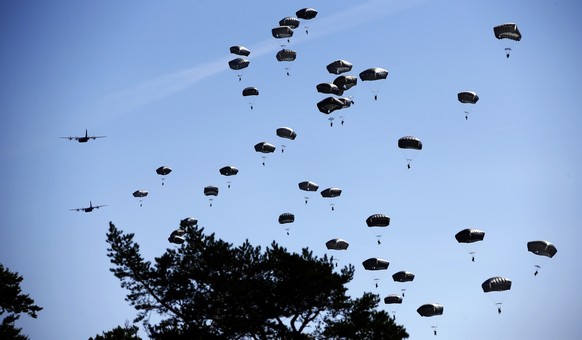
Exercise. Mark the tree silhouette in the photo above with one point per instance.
(208, 289)
(13, 303)
(128, 332)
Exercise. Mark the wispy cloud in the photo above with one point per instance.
(168, 84)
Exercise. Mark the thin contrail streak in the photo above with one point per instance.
(168, 84)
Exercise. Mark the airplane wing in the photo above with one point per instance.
(95, 137)
(78, 209)
(99, 206)
(71, 138)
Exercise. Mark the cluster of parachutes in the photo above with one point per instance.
(409, 145)
(344, 82)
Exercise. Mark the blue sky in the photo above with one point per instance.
(153, 77)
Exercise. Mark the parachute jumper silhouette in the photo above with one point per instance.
(163, 171)
(507, 31)
(306, 14)
(308, 186)
(541, 248)
(287, 133)
(286, 55)
(467, 97)
(282, 32)
(228, 171)
(264, 147)
(378, 220)
(285, 218)
(238, 64)
(374, 74)
(140, 194)
(393, 299)
(250, 91)
(496, 284)
(337, 244)
(470, 236)
(210, 191)
(375, 264)
(430, 310)
(403, 276)
(409, 143)
(331, 193)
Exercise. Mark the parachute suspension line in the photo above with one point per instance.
(537, 270)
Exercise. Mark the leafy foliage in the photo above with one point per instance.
(119, 333)
(208, 289)
(13, 303)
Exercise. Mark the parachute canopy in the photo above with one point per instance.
(375, 263)
(330, 104)
(289, 21)
(238, 63)
(374, 73)
(177, 237)
(188, 222)
(308, 186)
(306, 13)
(240, 50)
(211, 191)
(286, 55)
(286, 132)
(337, 244)
(264, 147)
(496, 284)
(339, 66)
(250, 91)
(331, 192)
(228, 170)
(329, 88)
(345, 82)
(542, 248)
(392, 298)
(470, 235)
(468, 97)
(430, 309)
(286, 218)
(282, 32)
(403, 276)
(410, 142)
(507, 31)
(163, 170)
(140, 193)
(378, 220)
